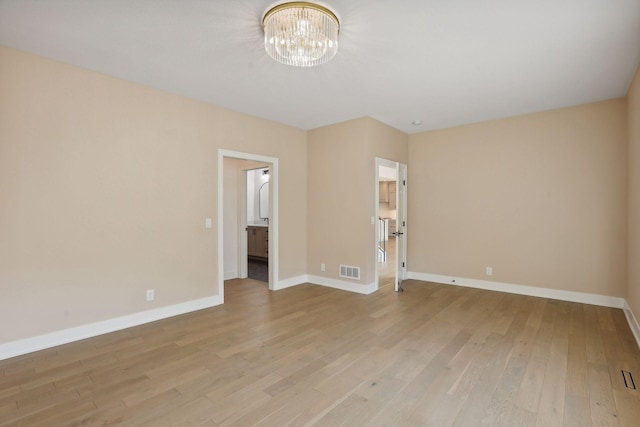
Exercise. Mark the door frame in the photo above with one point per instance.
(400, 201)
(272, 163)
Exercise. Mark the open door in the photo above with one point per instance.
(401, 226)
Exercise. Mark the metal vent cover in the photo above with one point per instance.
(349, 271)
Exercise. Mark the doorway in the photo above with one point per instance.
(239, 228)
(256, 215)
(391, 223)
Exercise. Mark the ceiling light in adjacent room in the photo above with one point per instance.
(301, 34)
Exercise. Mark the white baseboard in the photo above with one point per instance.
(292, 281)
(328, 282)
(581, 297)
(632, 321)
(28, 345)
(228, 275)
(343, 285)
(41, 342)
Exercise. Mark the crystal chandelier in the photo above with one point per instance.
(301, 34)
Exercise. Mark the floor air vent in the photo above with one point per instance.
(350, 271)
(628, 380)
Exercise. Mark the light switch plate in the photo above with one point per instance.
(208, 223)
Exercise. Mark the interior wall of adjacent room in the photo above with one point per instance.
(385, 211)
(633, 255)
(255, 181)
(341, 178)
(105, 185)
(541, 198)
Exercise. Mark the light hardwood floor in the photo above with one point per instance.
(434, 355)
(387, 269)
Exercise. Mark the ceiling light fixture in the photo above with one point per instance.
(301, 34)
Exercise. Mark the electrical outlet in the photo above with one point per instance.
(323, 267)
(151, 294)
(489, 271)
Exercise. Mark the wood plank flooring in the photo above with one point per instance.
(387, 268)
(433, 355)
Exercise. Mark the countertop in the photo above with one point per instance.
(257, 224)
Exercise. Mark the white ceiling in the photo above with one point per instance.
(385, 173)
(444, 62)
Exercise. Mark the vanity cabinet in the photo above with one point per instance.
(258, 242)
(392, 228)
(391, 194)
(387, 193)
(383, 192)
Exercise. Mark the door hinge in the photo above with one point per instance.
(403, 265)
(404, 224)
(404, 182)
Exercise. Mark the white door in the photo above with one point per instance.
(398, 173)
(401, 225)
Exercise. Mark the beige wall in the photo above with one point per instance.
(540, 198)
(105, 184)
(633, 254)
(104, 187)
(341, 188)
